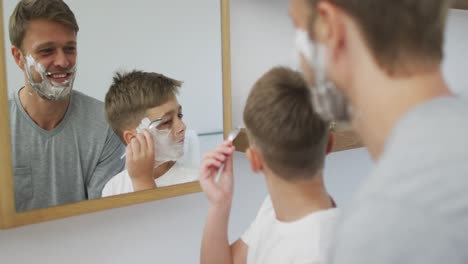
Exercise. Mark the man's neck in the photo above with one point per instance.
(45, 113)
(295, 200)
(379, 102)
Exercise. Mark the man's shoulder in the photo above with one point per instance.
(12, 101)
(11, 104)
(444, 117)
(398, 233)
(417, 189)
(434, 131)
(88, 109)
(424, 161)
(86, 100)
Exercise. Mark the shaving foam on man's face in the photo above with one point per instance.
(47, 55)
(54, 83)
(328, 101)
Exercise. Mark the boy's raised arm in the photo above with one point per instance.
(215, 244)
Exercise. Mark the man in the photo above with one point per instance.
(379, 62)
(63, 149)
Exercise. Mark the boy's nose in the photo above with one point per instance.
(180, 126)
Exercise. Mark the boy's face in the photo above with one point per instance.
(171, 115)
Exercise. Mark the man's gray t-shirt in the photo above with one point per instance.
(68, 164)
(414, 206)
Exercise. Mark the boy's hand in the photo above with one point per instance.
(140, 161)
(219, 193)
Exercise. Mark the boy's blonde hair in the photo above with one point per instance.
(283, 125)
(131, 94)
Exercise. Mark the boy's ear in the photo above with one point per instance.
(331, 140)
(255, 159)
(128, 135)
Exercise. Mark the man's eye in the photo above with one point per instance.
(45, 52)
(180, 116)
(70, 49)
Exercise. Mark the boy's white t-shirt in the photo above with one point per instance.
(306, 240)
(184, 170)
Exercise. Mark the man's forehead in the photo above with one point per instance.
(52, 43)
(40, 32)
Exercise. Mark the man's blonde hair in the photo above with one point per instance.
(29, 10)
(400, 34)
(132, 94)
(283, 125)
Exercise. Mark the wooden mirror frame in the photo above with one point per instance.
(10, 218)
(460, 4)
(342, 140)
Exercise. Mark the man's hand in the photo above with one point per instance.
(140, 161)
(219, 192)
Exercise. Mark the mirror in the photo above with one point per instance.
(181, 39)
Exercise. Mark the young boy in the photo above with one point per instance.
(288, 143)
(134, 101)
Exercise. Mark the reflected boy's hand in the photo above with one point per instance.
(219, 192)
(140, 161)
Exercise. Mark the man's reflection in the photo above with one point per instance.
(143, 110)
(63, 149)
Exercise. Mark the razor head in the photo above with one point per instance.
(155, 123)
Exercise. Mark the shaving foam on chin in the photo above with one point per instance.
(45, 88)
(327, 100)
(165, 147)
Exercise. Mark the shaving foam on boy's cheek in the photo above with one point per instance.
(44, 87)
(166, 149)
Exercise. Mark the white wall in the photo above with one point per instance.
(182, 43)
(456, 52)
(262, 36)
(169, 231)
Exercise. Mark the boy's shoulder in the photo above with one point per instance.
(308, 238)
(119, 184)
(267, 210)
(266, 220)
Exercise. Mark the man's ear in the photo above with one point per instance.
(255, 159)
(328, 28)
(18, 57)
(128, 135)
(331, 140)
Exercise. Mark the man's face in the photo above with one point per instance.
(315, 49)
(171, 115)
(52, 46)
(299, 11)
